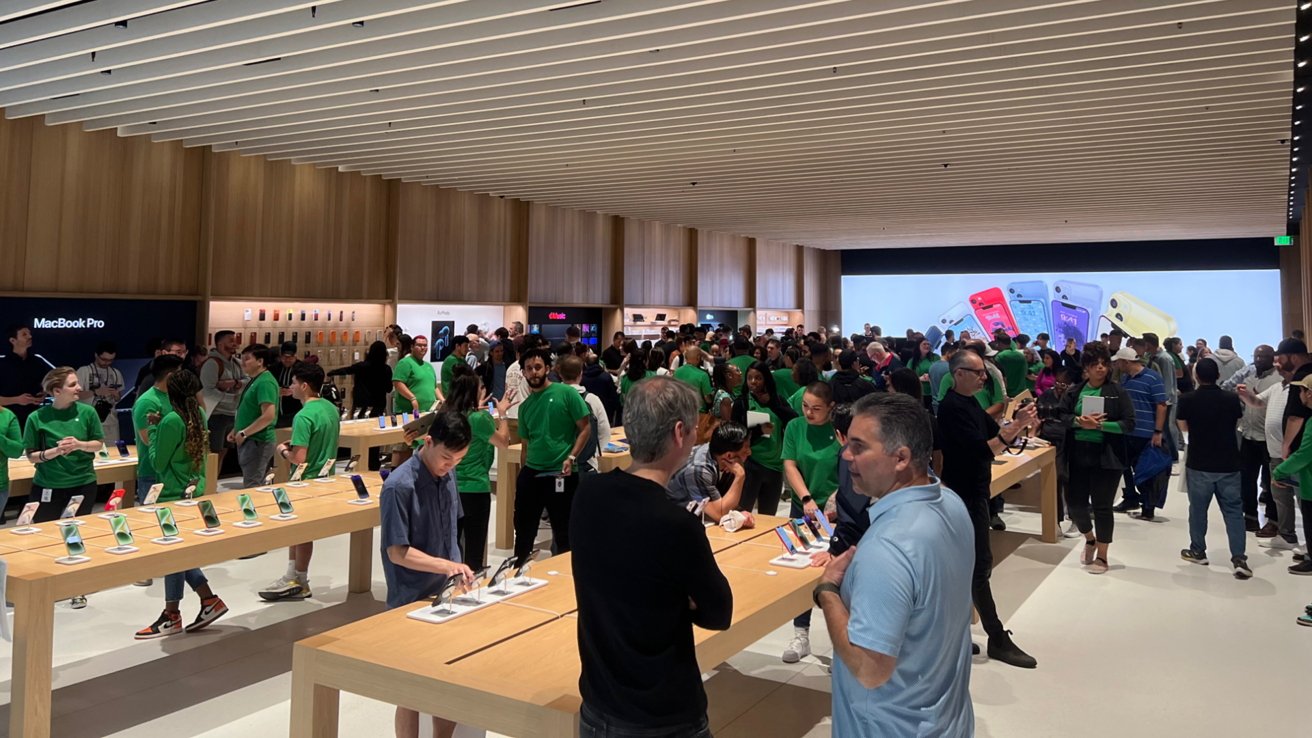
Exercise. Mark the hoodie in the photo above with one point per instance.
(596, 380)
(848, 386)
(1228, 362)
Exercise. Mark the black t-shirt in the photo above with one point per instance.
(612, 358)
(1212, 414)
(637, 561)
(1294, 407)
(963, 433)
(19, 376)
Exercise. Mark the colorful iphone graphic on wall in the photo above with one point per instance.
(958, 318)
(1029, 305)
(1138, 317)
(1069, 322)
(991, 309)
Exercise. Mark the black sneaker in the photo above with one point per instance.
(1304, 567)
(996, 523)
(1124, 507)
(1002, 648)
(1188, 554)
(167, 624)
(974, 647)
(1242, 570)
(210, 610)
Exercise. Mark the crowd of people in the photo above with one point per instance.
(891, 439)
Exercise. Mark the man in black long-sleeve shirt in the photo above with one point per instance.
(644, 575)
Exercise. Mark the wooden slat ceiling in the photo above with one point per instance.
(824, 122)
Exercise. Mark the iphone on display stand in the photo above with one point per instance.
(122, 447)
(152, 496)
(285, 511)
(824, 524)
(168, 527)
(991, 309)
(326, 471)
(246, 314)
(350, 464)
(73, 544)
(188, 497)
(23, 526)
(118, 525)
(70, 510)
(361, 491)
(210, 518)
(114, 502)
(250, 517)
(298, 471)
(1029, 305)
(499, 577)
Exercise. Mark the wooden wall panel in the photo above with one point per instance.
(95, 213)
(571, 257)
(778, 275)
(278, 230)
(459, 247)
(1291, 288)
(658, 264)
(724, 270)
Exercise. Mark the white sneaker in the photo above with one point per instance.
(1278, 543)
(799, 648)
(1072, 531)
(285, 588)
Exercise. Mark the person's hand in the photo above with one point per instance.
(924, 377)
(69, 444)
(1027, 414)
(836, 568)
(30, 399)
(821, 559)
(1089, 422)
(736, 469)
(283, 448)
(232, 437)
(810, 508)
(458, 571)
(568, 467)
(410, 436)
(1157, 440)
(285, 392)
(503, 405)
(749, 522)
(768, 429)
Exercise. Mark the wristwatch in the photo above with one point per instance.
(572, 458)
(806, 499)
(821, 588)
(241, 434)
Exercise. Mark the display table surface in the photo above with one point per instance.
(1009, 469)
(115, 470)
(36, 580)
(513, 667)
(357, 435)
(508, 463)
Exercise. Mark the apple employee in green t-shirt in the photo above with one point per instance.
(473, 480)
(553, 428)
(150, 407)
(257, 413)
(414, 385)
(61, 440)
(314, 443)
(459, 352)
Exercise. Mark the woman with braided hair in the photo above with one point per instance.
(181, 445)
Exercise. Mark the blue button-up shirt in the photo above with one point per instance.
(908, 592)
(420, 511)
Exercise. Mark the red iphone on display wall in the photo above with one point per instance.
(990, 307)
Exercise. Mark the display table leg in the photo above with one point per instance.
(34, 631)
(360, 574)
(507, 473)
(1048, 501)
(314, 706)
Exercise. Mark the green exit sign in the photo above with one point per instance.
(1284, 240)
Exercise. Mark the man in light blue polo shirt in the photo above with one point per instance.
(898, 604)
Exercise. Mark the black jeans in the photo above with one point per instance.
(594, 725)
(471, 528)
(1253, 469)
(762, 489)
(59, 499)
(980, 589)
(1091, 487)
(532, 495)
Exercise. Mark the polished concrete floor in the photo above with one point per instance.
(1156, 647)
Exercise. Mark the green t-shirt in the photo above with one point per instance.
(548, 420)
(743, 363)
(815, 449)
(1013, 367)
(11, 444)
(626, 384)
(46, 427)
(765, 450)
(988, 396)
(795, 400)
(1034, 369)
(150, 401)
(1084, 434)
(448, 372)
(921, 368)
(173, 467)
(698, 378)
(472, 471)
(316, 428)
(783, 381)
(422, 381)
(261, 390)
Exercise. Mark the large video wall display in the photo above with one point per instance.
(1243, 304)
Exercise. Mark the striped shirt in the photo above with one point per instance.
(1146, 393)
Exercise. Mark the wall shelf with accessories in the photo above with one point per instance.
(645, 323)
(778, 320)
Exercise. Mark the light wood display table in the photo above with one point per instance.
(1009, 470)
(117, 470)
(508, 464)
(513, 667)
(36, 581)
(357, 435)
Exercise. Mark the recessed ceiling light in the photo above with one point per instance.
(1300, 89)
(1305, 6)
(1303, 63)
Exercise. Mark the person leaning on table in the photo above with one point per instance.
(644, 574)
(419, 507)
(897, 605)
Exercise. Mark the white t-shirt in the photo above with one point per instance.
(1275, 396)
(603, 425)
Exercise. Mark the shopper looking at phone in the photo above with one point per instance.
(222, 378)
(313, 443)
(639, 667)
(257, 414)
(179, 458)
(419, 508)
(901, 667)
(22, 373)
(102, 388)
(554, 427)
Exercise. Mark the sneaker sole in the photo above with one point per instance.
(274, 596)
(787, 660)
(155, 636)
(1243, 574)
(290, 596)
(1301, 573)
(1200, 562)
(1304, 621)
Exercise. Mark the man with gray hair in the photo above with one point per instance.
(897, 605)
(639, 667)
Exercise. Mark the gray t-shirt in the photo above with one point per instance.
(1164, 365)
(420, 511)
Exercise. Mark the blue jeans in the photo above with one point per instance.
(1225, 487)
(173, 583)
(593, 725)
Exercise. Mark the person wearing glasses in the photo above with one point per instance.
(970, 439)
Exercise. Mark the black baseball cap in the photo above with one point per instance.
(1291, 346)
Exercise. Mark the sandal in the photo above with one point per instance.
(1090, 551)
(1099, 566)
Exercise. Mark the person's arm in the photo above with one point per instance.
(1292, 427)
(168, 439)
(872, 668)
(709, 595)
(11, 440)
(1295, 463)
(726, 409)
(416, 560)
(717, 509)
(1248, 398)
(1160, 427)
(580, 440)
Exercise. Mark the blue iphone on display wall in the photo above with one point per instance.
(1029, 305)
